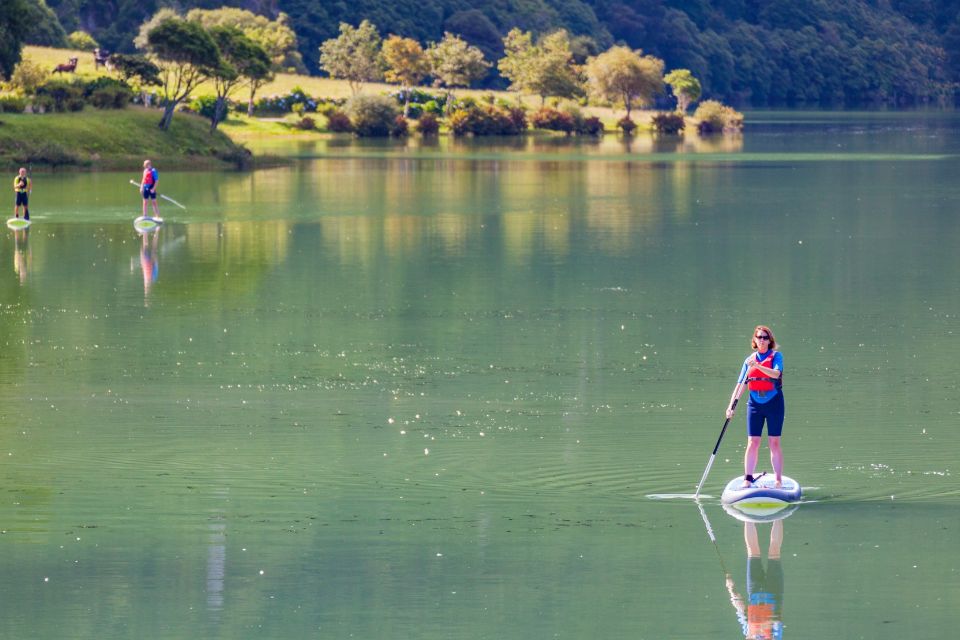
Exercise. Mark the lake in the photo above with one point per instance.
(427, 390)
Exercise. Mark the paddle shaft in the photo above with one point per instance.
(706, 472)
(168, 199)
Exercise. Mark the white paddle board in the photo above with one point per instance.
(762, 494)
(18, 223)
(144, 224)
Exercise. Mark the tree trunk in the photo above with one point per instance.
(218, 110)
(167, 115)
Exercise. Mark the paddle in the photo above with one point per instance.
(737, 390)
(168, 199)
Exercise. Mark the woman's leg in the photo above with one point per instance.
(776, 457)
(750, 457)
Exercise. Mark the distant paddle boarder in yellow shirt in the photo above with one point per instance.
(22, 185)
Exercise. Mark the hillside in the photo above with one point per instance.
(759, 52)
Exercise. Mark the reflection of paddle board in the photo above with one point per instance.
(747, 514)
(146, 223)
(762, 494)
(18, 223)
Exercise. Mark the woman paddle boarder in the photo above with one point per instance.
(762, 372)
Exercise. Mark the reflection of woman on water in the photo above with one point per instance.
(761, 613)
(148, 260)
(21, 254)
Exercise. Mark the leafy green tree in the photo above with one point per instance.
(240, 57)
(136, 69)
(354, 55)
(544, 69)
(186, 55)
(686, 88)
(277, 37)
(455, 63)
(621, 74)
(406, 64)
(12, 26)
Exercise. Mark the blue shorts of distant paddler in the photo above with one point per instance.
(771, 412)
(149, 193)
(22, 198)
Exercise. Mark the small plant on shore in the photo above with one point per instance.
(61, 95)
(401, 128)
(372, 116)
(668, 123)
(428, 124)
(552, 120)
(482, 120)
(12, 104)
(592, 126)
(715, 117)
(27, 76)
(306, 123)
(338, 121)
(627, 125)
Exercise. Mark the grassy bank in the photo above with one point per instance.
(113, 139)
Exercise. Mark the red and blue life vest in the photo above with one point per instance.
(149, 177)
(757, 380)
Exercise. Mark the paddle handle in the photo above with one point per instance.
(706, 472)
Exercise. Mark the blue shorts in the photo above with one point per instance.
(149, 194)
(771, 411)
(22, 198)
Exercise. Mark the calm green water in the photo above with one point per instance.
(397, 391)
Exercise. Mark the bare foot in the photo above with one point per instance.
(777, 485)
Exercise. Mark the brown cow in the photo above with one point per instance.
(69, 67)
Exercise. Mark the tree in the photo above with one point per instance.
(243, 59)
(686, 88)
(42, 26)
(621, 74)
(12, 26)
(276, 37)
(454, 63)
(136, 67)
(186, 55)
(354, 55)
(545, 69)
(406, 63)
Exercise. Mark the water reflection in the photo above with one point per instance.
(22, 256)
(149, 264)
(760, 610)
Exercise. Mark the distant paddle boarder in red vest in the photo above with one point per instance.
(762, 372)
(148, 188)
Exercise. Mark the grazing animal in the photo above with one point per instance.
(69, 67)
(101, 57)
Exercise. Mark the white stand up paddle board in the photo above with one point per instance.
(18, 223)
(761, 497)
(146, 223)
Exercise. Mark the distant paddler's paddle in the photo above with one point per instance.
(737, 390)
(168, 199)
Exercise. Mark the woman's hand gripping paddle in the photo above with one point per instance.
(733, 407)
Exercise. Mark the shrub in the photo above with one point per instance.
(483, 120)
(552, 119)
(669, 123)
(434, 106)
(12, 104)
(81, 40)
(50, 153)
(338, 121)
(428, 125)
(414, 111)
(592, 126)
(28, 76)
(372, 116)
(626, 125)
(108, 93)
(518, 116)
(204, 105)
(61, 95)
(306, 123)
(715, 117)
(400, 127)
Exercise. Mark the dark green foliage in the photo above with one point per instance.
(626, 125)
(401, 127)
(12, 104)
(136, 68)
(762, 52)
(306, 123)
(206, 106)
(108, 93)
(670, 123)
(42, 26)
(372, 116)
(61, 95)
(592, 126)
(12, 27)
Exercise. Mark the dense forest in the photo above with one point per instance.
(745, 52)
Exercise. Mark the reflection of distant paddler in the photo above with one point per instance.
(22, 258)
(148, 260)
(761, 614)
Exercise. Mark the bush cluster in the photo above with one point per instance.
(428, 124)
(470, 118)
(338, 121)
(669, 123)
(626, 125)
(296, 101)
(420, 102)
(13, 104)
(715, 117)
(373, 116)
